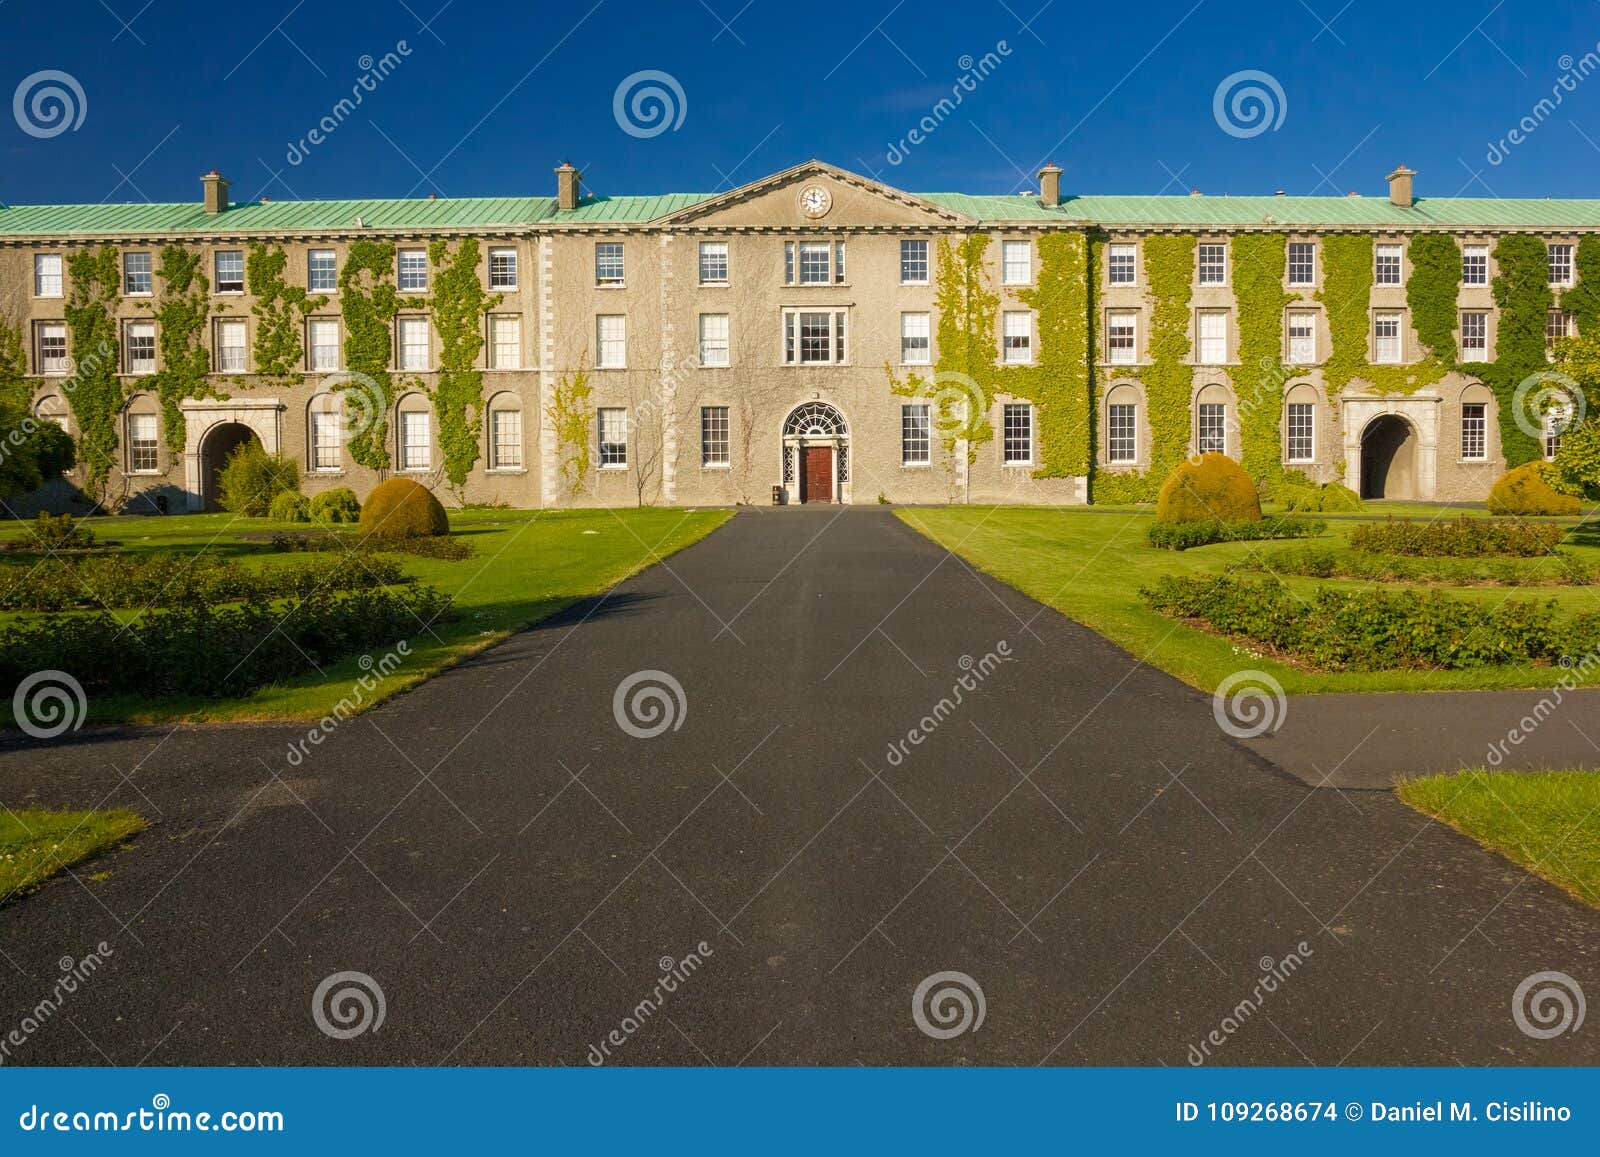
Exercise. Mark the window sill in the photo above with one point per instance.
(228, 293)
(503, 289)
(816, 285)
(507, 471)
(145, 473)
(713, 284)
(715, 467)
(915, 365)
(503, 370)
(611, 285)
(704, 365)
(327, 472)
(815, 365)
(616, 468)
(1016, 465)
(1472, 461)
(914, 284)
(611, 369)
(916, 465)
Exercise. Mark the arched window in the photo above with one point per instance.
(1476, 400)
(141, 435)
(505, 432)
(414, 432)
(1123, 422)
(1300, 424)
(51, 408)
(815, 420)
(1214, 423)
(325, 432)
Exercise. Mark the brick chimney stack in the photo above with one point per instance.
(1050, 186)
(1400, 187)
(567, 179)
(216, 198)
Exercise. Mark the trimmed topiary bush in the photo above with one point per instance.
(1527, 490)
(252, 478)
(1331, 498)
(290, 507)
(337, 505)
(1212, 488)
(401, 508)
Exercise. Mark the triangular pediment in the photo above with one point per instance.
(815, 194)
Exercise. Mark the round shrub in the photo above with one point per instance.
(290, 507)
(1527, 491)
(337, 505)
(1332, 498)
(401, 508)
(1212, 488)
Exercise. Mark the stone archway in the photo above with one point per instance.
(260, 417)
(1389, 458)
(1416, 454)
(816, 454)
(218, 445)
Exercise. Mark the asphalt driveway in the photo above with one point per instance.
(813, 830)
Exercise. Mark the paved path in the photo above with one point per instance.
(511, 867)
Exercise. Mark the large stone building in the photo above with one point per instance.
(791, 334)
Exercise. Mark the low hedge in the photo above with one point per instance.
(1377, 630)
(1559, 568)
(1331, 498)
(444, 547)
(205, 653)
(50, 532)
(1186, 535)
(1464, 537)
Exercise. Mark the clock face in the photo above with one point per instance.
(815, 201)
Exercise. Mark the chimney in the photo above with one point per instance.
(567, 179)
(216, 198)
(1400, 192)
(1050, 186)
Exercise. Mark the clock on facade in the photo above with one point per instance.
(815, 200)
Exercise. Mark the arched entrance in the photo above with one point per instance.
(219, 442)
(816, 449)
(1389, 458)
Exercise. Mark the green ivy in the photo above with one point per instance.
(181, 315)
(1522, 291)
(1346, 294)
(95, 393)
(459, 304)
(280, 310)
(570, 416)
(1431, 292)
(369, 301)
(1259, 260)
(1583, 299)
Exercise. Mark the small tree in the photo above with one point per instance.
(1576, 469)
(252, 478)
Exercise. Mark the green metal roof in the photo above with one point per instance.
(1461, 212)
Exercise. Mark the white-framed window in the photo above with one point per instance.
(1302, 338)
(713, 339)
(502, 268)
(1475, 265)
(1386, 338)
(1554, 423)
(612, 426)
(140, 347)
(51, 355)
(916, 442)
(1122, 337)
(143, 445)
(47, 278)
(1017, 429)
(416, 440)
(1559, 257)
(1387, 271)
(913, 263)
(327, 440)
(229, 267)
(231, 350)
(1302, 432)
(814, 337)
(1474, 431)
(138, 275)
(608, 267)
(1213, 337)
(1122, 263)
(505, 341)
(413, 270)
(323, 335)
(611, 341)
(714, 440)
(1016, 331)
(322, 271)
(1302, 263)
(1213, 260)
(414, 344)
(713, 263)
(916, 337)
(1122, 432)
(814, 268)
(1558, 323)
(1211, 428)
(505, 439)
(1016, 262)
(1474, 332)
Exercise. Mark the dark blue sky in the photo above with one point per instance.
(491, 97)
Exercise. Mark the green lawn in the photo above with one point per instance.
(1089, 564)
(526, 566)
(1549, 822)
(37, 844)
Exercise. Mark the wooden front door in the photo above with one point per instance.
(816, 476)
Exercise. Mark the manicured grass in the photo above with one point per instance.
(35, 845)
(1549, 822)
(1089, 565)
(526, 566)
